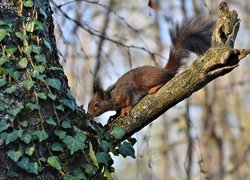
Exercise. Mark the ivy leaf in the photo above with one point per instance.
(41, 58)
(14, 155)
(30, 150)
(41, 135)
(3, 34)
(36, 49)
(11, 50)
(11, 89)
(42, 96)
(28, 3)
(92, 155)
(11, 137)
(54, 83)
(4, 125)
(27, 166)
(103, 157)
(52, 96)
(2, 106)
(69, 103)
(27, 84)
(66, 124)
(60, 107)
(4, 59)
(57, 147)
(22, 64)
(26, 137)
(27, 50)
(2, 82)
(15, 75)
(75, 143)
(118, 132)
(16, 110)
(39, 68)
(30, 27)
(61, 134)
(33, 106)
(126, 149)
(104, 145)
(24, 124)
(38, 25)
(55, 162)
(90, 169)
(22, 36)
(50, 121)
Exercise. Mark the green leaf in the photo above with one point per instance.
(55, 162)
(26, 137)
(2, 106)
(3, 34)
(34, 168)
(126, 149)
(50, 121)
(89, 169)
(11, 50)
(2, 82)
(22, 36)
(30, 26)
(19, 132)
(92, 155)
(54, 83)
(38, 25)
(36, 49)
(108, 174)
(118, 132)
(4, 125)
(41, 58)
(69, 103)
(14, 155)
(104, 145)
(15, 75)
(33, 106)
(52, 96)
(27, 166)
(61, 134)
(57, 147)
(11, 89)
(41, 135)
(39, 68)
(4, 59)
(28, 84)
(11, 137)
(75, 143)
(103, 157)
(66, 124)
(28, 3)
(24, 124)
(22, 64)
(16, 110)
(60, 107)
(42, 96)
(30, 150)
(28, 50)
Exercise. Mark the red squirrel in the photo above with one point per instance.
(192, 35)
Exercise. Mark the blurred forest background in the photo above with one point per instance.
(205, 136)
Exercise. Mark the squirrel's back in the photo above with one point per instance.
(192, 35)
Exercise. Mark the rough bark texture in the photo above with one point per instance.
(219, 60)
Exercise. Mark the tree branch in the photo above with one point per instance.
(219, 60)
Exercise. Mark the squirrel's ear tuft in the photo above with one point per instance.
(97, 87)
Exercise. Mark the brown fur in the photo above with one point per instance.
(193, 35)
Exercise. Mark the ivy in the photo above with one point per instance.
(118, 132)
(55, 162)
(75, 143)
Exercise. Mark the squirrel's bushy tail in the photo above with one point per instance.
(192, 35)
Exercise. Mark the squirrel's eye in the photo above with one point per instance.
(96, 104)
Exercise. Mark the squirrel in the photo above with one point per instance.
(192, 35)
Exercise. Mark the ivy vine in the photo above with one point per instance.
(34, 126)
